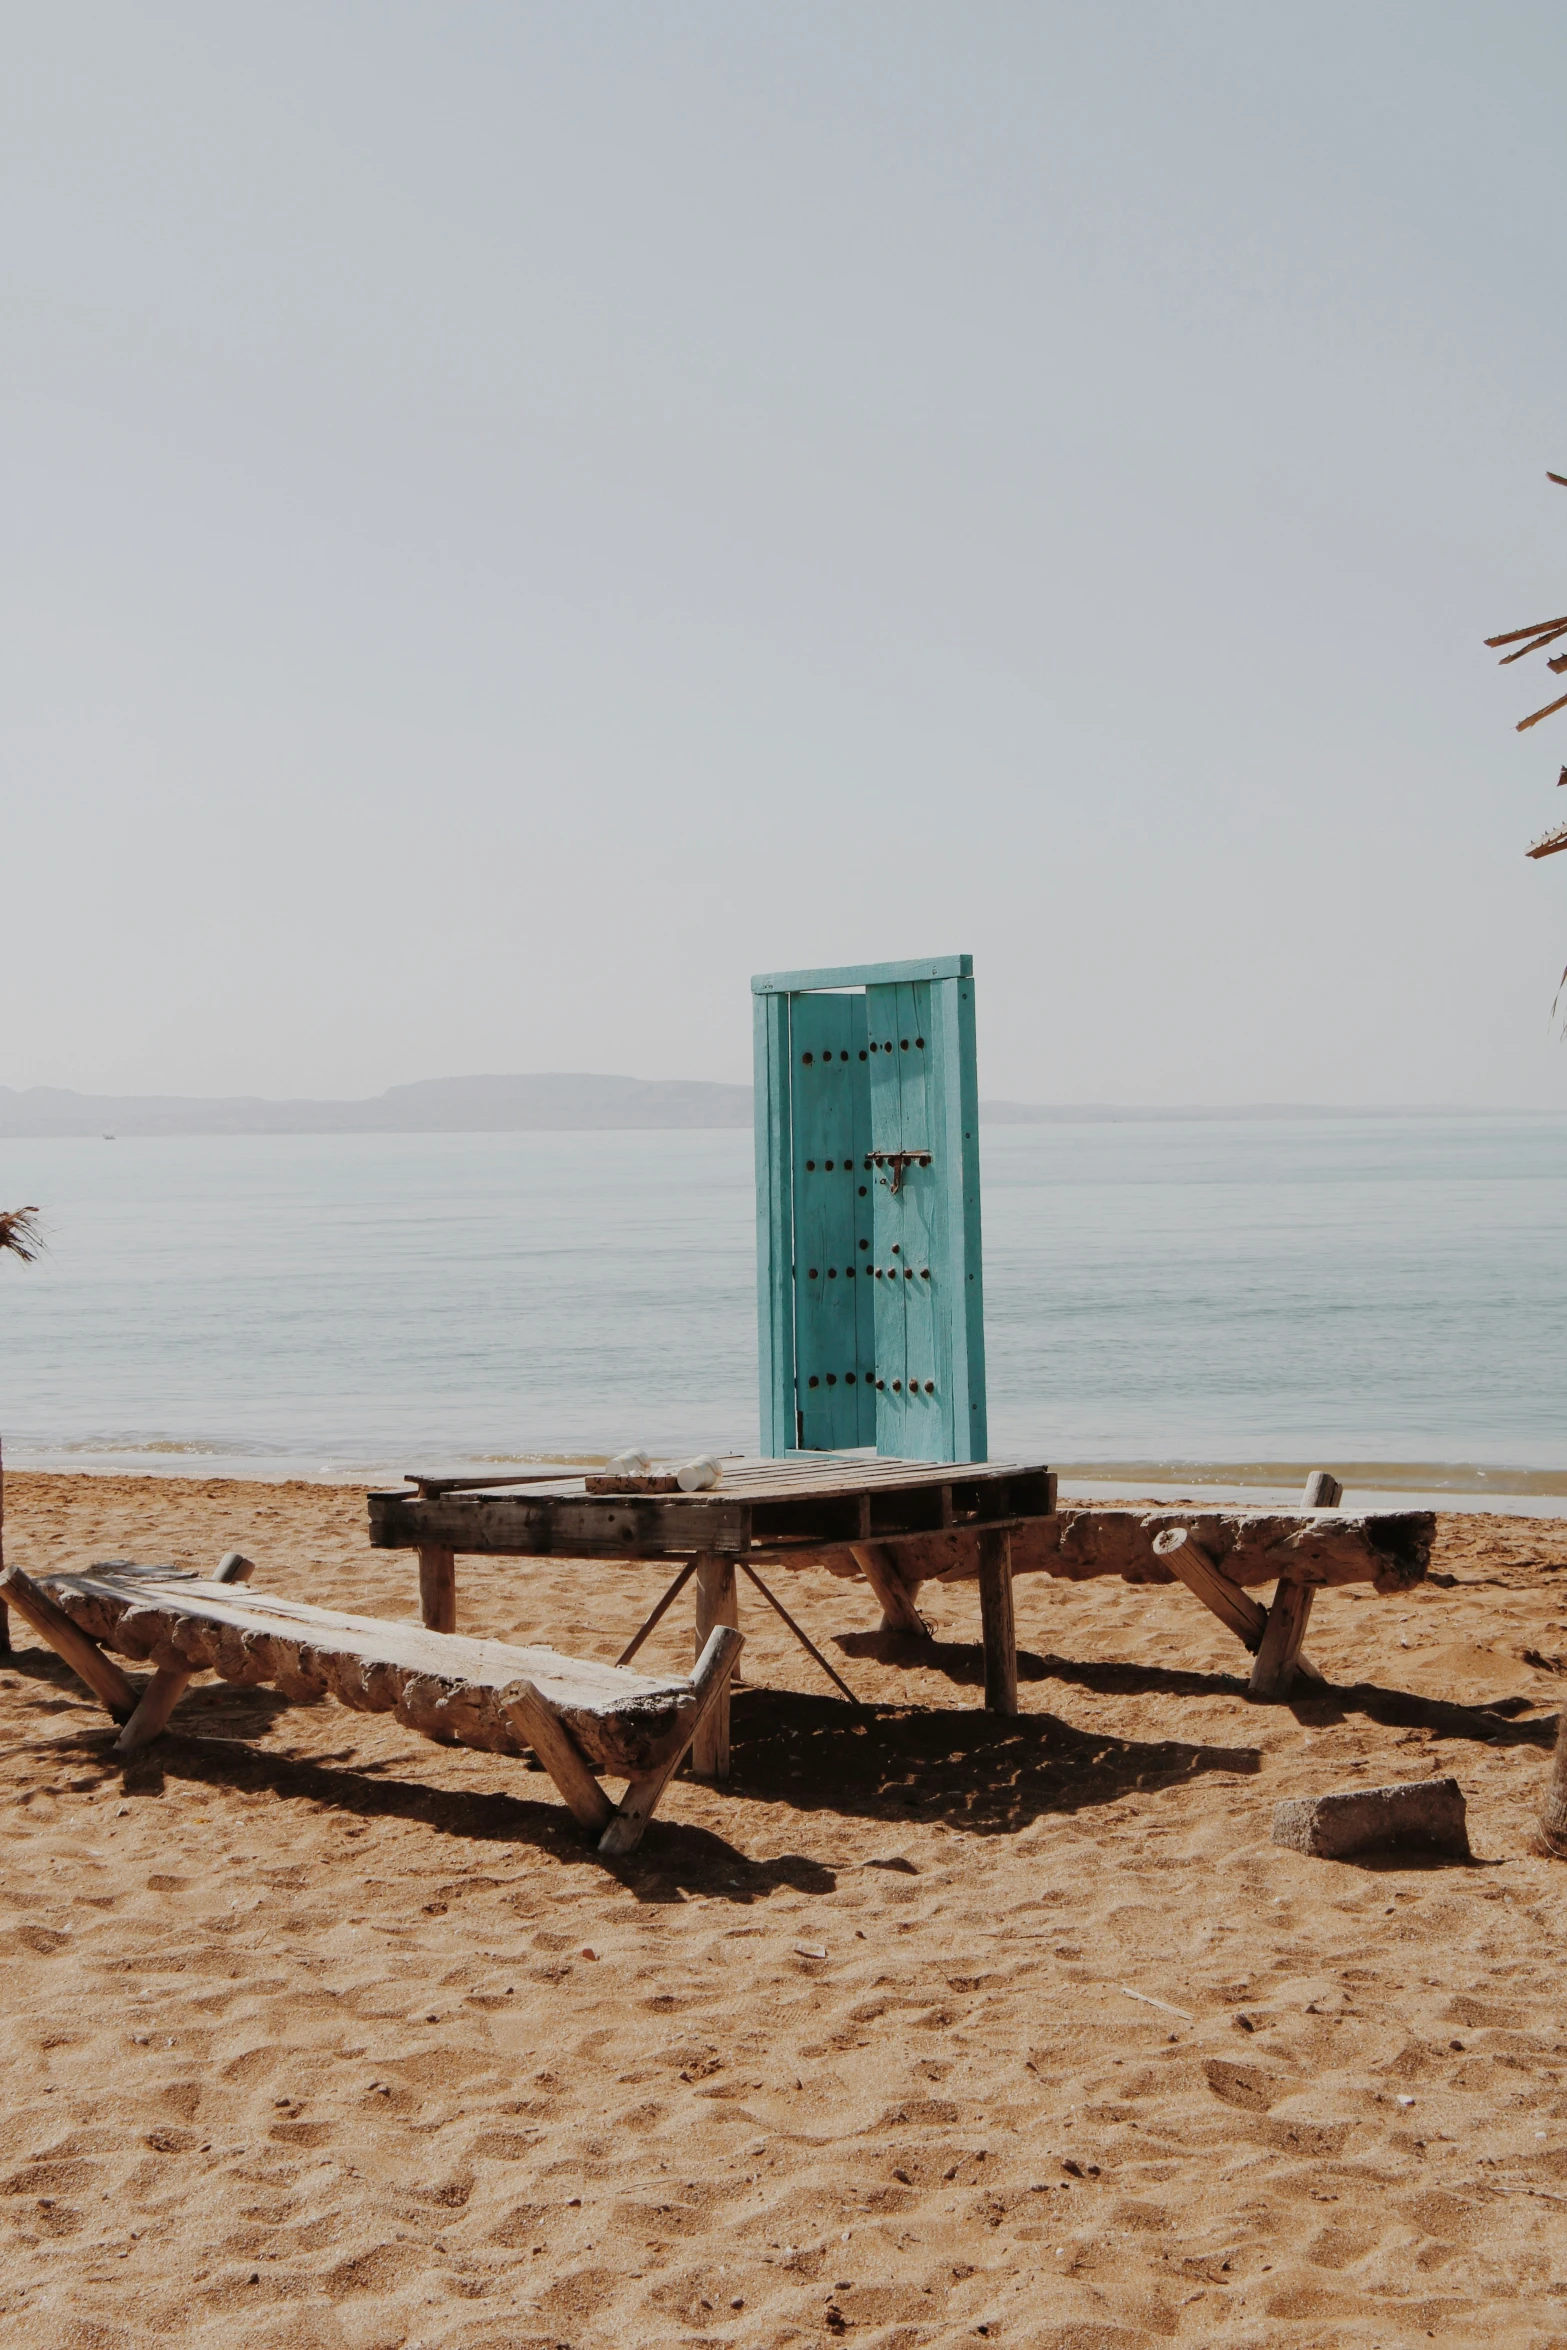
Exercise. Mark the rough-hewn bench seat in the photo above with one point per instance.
(576, 1716)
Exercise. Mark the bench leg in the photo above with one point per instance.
(637, 1807)
(1236, 1610)
(710, 1684)
(716, 1604)
(1272, 1634)
(1278, 1656)
(561, 1756)
(997, 1626)
(169, 1683)
(438, 1590)
(157, 1701)
(114, 1690)
(898, 1611)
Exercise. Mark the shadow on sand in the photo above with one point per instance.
(1317, 1704)
(990, 1774)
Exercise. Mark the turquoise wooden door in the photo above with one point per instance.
(870, 1300)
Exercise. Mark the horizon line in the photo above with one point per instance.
(718, 1084)
(433, 1095)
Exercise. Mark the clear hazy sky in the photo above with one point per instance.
(515, 517)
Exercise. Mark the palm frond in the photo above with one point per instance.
(19, 1232)
(1534, 639)
(1549, 711)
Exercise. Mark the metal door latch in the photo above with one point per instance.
(896, 1162)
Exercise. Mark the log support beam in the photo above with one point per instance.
(153, 1708)
(880, 1568)
(541, 1727)
(1236, 1610)
(1278, 1652)
(1322, 1544)
(709, 1687)
(169, 1683)
(1272, 1634)
(115, 1691)
(1323, 1491)
(1279, 1656)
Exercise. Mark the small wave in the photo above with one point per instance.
(204, 1449)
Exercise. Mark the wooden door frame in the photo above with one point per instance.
(953, 1068)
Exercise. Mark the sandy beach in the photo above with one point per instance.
(928, 2028)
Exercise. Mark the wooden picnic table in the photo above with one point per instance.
(790, 1511)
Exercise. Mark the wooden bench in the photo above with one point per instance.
(577, 1717)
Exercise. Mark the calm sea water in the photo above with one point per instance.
(1391, 1290)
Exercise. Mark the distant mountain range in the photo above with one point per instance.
(437, 1105)
(517, 1105)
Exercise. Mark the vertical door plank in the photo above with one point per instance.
(864, 1229)
(826, 1075)
(956, 1076)
(909, 1238)
(923, 1247)
(774, 1227)
(886, 1105)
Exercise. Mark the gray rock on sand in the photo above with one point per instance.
(1424, 1815)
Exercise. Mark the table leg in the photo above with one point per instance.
(438, 1589)
(716, 1603)
(998, 1629)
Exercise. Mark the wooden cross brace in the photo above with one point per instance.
(1273, 1634)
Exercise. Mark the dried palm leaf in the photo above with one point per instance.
(1534, 645)
(20, 1234)
(1535, 716)
(1535, 628)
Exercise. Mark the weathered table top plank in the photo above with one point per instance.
(843, 1497)
(793, 1474)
